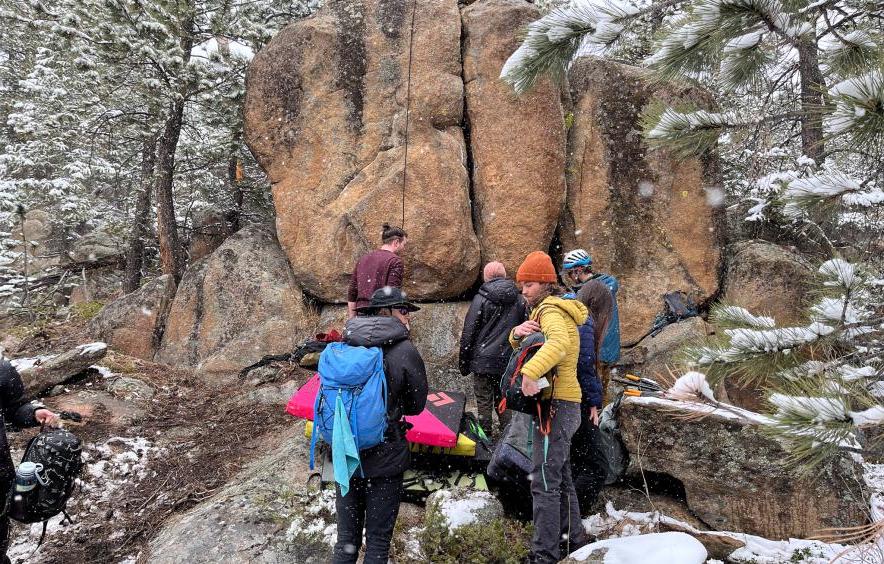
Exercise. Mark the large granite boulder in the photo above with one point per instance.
(768, 279)
(235, 306)
(264, 514)
(655, 222)
(517, 142)
(735, 478)
(325, 115)
(133, 324)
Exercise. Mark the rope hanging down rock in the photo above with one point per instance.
(407, 108)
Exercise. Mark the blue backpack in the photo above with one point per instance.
(355, 375)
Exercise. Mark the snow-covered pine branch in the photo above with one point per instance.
(821, 193)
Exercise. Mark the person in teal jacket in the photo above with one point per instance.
(577, 271)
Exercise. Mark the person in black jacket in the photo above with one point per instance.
(17, 410)
(376, 488)
(484, 344)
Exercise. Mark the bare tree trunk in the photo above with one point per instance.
(233, 164)
(135, 252)
(171, 251)
(811, 101)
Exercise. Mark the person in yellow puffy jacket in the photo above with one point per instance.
(556, 513)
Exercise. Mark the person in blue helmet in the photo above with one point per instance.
(578, 275)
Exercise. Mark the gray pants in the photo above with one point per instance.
(487, 389)
(556, 511)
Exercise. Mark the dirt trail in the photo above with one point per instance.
(189, 439)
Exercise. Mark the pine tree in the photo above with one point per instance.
(809, 77)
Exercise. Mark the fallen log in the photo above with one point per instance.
(61, 368)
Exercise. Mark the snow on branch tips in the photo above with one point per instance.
(820, 192)
(691, 385)
(859, 108)
(548, 46)
(686, 134)
(550, 43)
(735, 316)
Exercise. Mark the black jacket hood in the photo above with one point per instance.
(374, 331)
(501, 291)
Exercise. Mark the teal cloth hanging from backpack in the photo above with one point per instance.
(345, 455)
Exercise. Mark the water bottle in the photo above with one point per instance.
(27, 478)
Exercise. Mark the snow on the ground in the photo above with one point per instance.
(654, 547)
(104, 371)
(108, 466)
(460, 512)
(22, 364)
(613, 524)
(314, 520)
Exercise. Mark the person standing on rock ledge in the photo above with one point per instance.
(372, 503)
(378, 269)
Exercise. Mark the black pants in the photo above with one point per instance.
(586, 467)
(4, 539)
(371, 504)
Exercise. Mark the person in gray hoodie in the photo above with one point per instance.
(484, 345)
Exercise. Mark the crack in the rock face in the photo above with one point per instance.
(475, 211)
(352, 61)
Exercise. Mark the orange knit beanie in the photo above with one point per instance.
(537, 267)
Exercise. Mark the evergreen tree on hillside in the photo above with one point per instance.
(809, 75)
(160, 108)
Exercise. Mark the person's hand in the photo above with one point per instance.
(46, 417)
(526, 329)
(594, 415)
(529, 386)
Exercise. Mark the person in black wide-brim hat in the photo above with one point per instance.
(390, 298)
(370, 508)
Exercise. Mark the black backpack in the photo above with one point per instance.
(511, 379)
(60, 453)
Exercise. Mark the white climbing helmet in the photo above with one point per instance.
(575, 258)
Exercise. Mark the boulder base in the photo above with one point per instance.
(735, 478)
(234, 306)
(134, 323)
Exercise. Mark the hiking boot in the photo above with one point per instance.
(565, 548)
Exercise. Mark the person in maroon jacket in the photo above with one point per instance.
(377, 269)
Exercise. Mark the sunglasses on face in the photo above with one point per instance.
(402, 310)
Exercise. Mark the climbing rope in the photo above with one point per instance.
(407, 108)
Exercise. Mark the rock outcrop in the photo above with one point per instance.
(768, 279)
(234, 306)
(517, 142)
(133, 324)
(653, 221)
(325, 115)
(263, 515)
(735, 478)
(41, 376)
